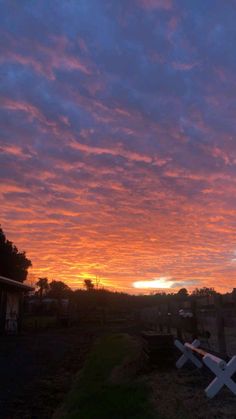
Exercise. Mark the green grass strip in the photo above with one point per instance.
(95, 396)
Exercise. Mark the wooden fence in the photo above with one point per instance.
(212, 319)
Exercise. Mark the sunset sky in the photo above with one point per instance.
(118, 140)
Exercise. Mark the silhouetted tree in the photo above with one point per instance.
(204, 292)
(13, 264)
(59, 290)
(183, 292)
(43, 286)
(97, 282)
(89, 285)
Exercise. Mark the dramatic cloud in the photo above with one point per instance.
(117, 140)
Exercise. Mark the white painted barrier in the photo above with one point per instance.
(222, 370)
(223, 373)
(187, 354)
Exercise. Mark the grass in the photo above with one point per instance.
(95, 395)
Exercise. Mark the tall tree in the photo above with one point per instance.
(183, 292)
(204, 292)
(43, 286)
(89, 285)
(58, 289)
(13, 263)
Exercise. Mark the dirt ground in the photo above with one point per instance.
(179, 394)
(36, 370)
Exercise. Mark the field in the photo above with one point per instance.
(37, 369)
(81, 373)
(180, 395)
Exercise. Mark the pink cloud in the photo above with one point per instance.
(156, 4)
(184, 66)
(12, 149)
(49, 57)
(118, 151)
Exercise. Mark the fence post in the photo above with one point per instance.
(168, 319)
(234, 299)
(194, 318)
(220, 324)
(179, 328)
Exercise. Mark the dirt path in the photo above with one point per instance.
(36, 371)
(180, 395)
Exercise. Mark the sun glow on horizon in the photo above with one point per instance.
(162, 282)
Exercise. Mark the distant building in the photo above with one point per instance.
(11, 296)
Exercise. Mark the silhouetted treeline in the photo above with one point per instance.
(92, 297)
(122, 301)
(103, 297)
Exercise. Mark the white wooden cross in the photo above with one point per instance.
(187, 354)
(223, 372)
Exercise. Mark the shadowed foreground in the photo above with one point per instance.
(107, 387)
(37, 370)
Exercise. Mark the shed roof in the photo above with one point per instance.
(14, 284)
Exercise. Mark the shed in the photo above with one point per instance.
(11, 296)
